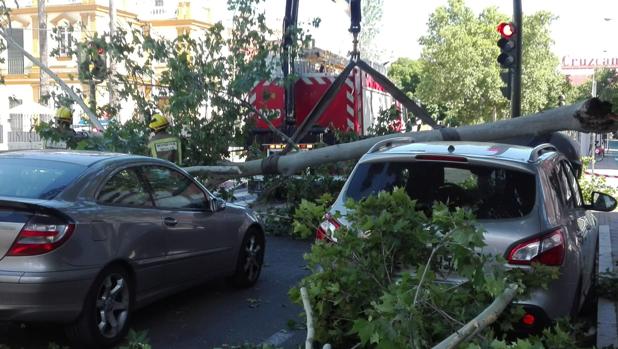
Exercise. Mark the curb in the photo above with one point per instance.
(599, 174)
(607, 324)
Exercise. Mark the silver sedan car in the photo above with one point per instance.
(86, 237)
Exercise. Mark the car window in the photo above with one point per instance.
(173, 190)
(554, 181)
(36, 179)
(551, 199)
(490, 192)
(462, 177)
(577, 198)
(567, 191)
(125, 189)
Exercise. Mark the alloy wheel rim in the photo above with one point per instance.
(112, 306)
(253, 251)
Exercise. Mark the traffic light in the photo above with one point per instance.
(507, 43)
(92, 65)
(99, 66)
(508, 55)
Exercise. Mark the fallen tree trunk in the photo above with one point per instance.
(484, 319)
(592, 115)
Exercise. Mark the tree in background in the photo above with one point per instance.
(461, 80)
(371, 23)
(201, 82)
(607, 86)
(406, 74)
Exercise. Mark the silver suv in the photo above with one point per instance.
(527, 200)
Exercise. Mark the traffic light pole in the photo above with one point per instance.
(516, 76)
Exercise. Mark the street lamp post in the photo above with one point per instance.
(594, 92)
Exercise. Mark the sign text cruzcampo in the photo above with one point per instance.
(570, 62)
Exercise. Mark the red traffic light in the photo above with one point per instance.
(100, 50)
(506, 30)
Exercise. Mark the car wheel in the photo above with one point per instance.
(104, 320)
(250, 259)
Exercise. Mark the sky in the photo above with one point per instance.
(583, 28)
(580, 29)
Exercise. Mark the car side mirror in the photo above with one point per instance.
(602, 202)
(218, 204)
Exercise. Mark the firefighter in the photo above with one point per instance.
(68, 138)
(64, 120)
(163, 145)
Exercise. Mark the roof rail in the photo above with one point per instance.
(391, 142)
(540, 150)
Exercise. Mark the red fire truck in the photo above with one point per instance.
(323, 99)
(353, 109)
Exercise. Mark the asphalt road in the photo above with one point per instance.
(609, 162)
(211, 315)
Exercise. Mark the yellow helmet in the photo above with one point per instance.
(158, 123)
(64, 114)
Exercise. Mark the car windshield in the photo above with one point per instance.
(490, 192)
(36, 179)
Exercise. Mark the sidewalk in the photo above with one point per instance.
(607, 324)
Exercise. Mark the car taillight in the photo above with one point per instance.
(528, 319)
(326, 229)
(39, 238)
(548, 250)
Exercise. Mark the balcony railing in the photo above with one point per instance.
(163, 12)
(16, 65)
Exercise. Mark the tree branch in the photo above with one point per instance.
(420, 283)
(309, 313)
(484, 319)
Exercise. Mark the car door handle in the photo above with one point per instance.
(170, 221)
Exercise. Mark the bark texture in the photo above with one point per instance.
(484, 319)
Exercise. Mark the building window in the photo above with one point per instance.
(159, 3)
(16, 121)
(65, 40)
(15, 56)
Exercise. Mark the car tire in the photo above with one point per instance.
(250, 259)
(104, 320)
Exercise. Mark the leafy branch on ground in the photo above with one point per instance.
(281, 198)
(371, 288)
